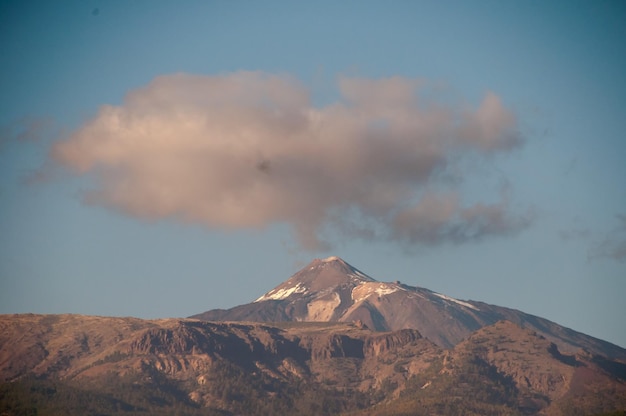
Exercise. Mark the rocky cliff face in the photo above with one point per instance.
(311, 368)
(377, 345)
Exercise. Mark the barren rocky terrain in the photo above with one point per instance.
(72, 364)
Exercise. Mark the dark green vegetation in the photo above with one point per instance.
(111, 395)
(154, 394)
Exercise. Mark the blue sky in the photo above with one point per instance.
(521, 203)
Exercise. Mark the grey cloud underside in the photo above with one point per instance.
(249, 149)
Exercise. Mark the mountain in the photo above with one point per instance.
(331, 290)
(72, 364)
(330, 340)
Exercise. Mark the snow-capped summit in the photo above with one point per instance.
(332, 290)
(319, 275)
(330, 278)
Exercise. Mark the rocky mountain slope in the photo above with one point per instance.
(329, 340)
(331, 290)
(69, 364)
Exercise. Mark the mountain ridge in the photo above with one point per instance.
(331, 289)
(75, 364)
(330, 340)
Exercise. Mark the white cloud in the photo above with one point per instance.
(249, 149)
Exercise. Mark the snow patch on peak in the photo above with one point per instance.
(460, 302)
(367, 289)
(384, 289)
(278, 294)
(322, 310)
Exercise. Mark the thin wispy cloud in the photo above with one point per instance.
(601, 245)
(27, 129)
(249, 149)
(613, 244)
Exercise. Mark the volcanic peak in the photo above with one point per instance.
(337, 264)
(321, 275)
(331, 290)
